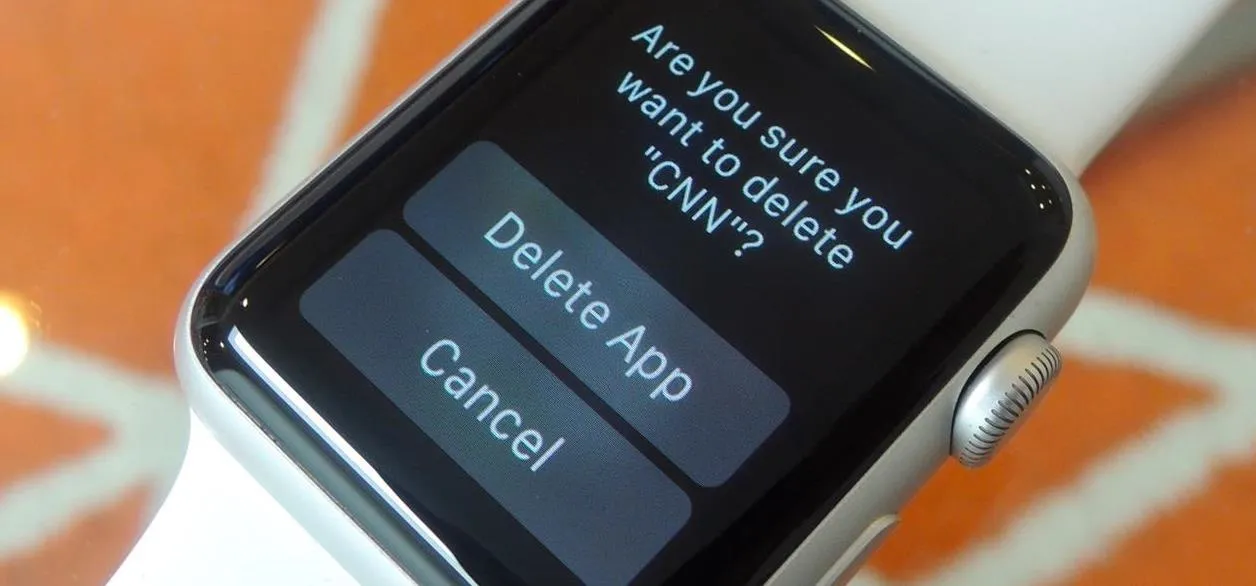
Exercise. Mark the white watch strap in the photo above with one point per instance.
(218, 526)
(1065, 74)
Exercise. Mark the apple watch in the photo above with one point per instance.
(645, 292)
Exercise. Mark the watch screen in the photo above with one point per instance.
(641, 290)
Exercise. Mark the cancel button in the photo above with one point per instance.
(484, 405)
(507, 421)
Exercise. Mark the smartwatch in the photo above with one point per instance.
(644, 292)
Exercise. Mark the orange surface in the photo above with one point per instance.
(1206, 540)
(1177, 201)
(87, 553)
(132, 138)
(31, 437)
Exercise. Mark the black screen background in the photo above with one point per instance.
(853, 376)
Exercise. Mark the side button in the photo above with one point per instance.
(848, 565)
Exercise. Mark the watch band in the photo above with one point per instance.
(1065, 75)
(219, 526)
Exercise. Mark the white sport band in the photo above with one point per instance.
(1066, 75)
